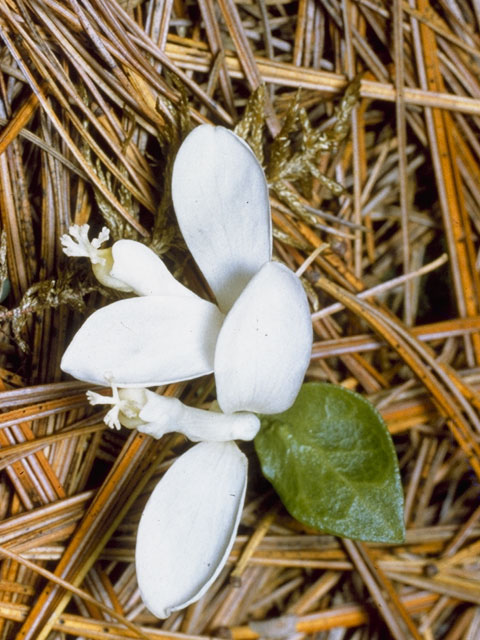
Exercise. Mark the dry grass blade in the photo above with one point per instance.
(122, 486)
(74, 590)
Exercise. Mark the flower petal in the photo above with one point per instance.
(265, 343)
(141, 342)
(162, 414)
(221, 200)
(143, 271)
(188, 527)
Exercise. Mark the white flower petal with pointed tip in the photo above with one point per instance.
(221, 202)
(265, 344)
(142, 342)
(143, 271)
(189, 526)
(127, 266)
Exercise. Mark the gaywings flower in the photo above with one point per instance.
(257, 342)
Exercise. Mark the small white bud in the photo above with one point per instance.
(161, 415)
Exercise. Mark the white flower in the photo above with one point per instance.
(257, 342)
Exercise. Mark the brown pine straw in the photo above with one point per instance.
(72, 589)
(95, 98)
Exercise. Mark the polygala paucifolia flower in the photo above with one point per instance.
(256, 341)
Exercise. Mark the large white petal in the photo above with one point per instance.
(188, 527)
(163, 414)
(265, 343)
(221, 200)
(141, 342)
(143, 271)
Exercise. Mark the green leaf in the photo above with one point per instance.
(331, 459)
